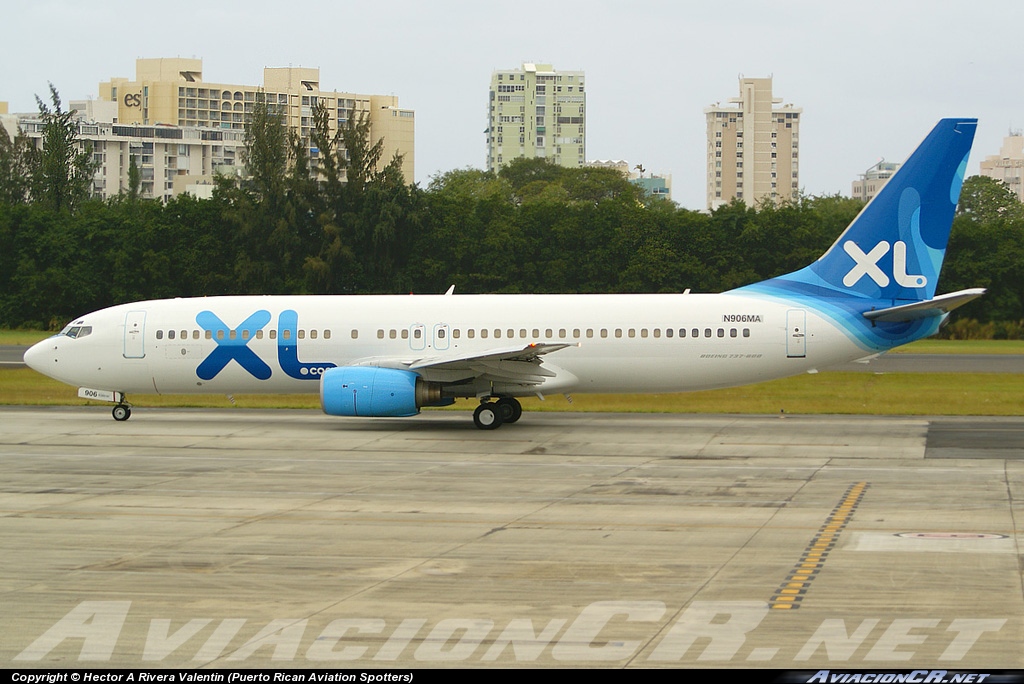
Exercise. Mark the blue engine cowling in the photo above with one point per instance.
(369, 391)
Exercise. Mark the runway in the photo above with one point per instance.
(233, 538)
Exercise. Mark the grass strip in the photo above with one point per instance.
(953, 394)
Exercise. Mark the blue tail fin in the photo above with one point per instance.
(893, 250)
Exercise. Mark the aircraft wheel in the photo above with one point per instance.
(487, 416)
(121, 412)
(511, 409)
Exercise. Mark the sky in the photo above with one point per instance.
(872, 77)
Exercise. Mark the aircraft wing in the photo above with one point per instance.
(937, 306)
(520, 365)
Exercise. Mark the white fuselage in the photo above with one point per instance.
(617, 343)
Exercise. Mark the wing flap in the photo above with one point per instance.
(521, 365)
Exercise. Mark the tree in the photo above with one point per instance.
(134, 178)
(14, 155)
(985, 199)
(367, 211)
(61, 173)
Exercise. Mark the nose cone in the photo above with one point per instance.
(42, 357)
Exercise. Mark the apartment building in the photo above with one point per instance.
(753, 147)
(1008, 165)
(537, 111)
(172, 91)
(873, 180)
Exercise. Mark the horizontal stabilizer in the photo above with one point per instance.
(937, 306)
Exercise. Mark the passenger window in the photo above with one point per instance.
(547, 333)
(286, 334)
(561, 333)
(483, 333)
(604, 332)
(721, 332)
(576, 333)
(170, 333)
(657, 332)
(209, 334)
(312, 334)
(510, 333)
(273, 334)
(632, 332)
(440, 333)
(746, 332)
(417, 334)
(195, 334)
(184, 334)
(327, 334)
(732, 332)
(497, 333)
(159, 334)
(471, 333)
(522, 333)
(643, 332)
(590, 333)
(245, 334)
(233, 334)
(302, 334)
(393, 334)
(618, 332)
(259, 334)
(536, 333)
(355, 334)
(405, 333)
(220, 334)
(380, 334)
(696, 333)
(668, 332)
(707, 332)
(456, 334)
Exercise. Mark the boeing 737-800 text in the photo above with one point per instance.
(873, 290)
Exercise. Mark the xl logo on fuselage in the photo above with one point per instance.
(867, 265)
(233, 345)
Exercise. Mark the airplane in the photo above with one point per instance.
(391, 355)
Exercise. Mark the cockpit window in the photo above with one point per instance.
(77, 331)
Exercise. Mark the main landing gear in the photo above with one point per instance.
(491, 415)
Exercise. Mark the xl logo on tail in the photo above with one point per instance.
(867, 265)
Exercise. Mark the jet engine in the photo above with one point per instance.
(369, 391)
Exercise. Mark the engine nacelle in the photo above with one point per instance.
(382, 392)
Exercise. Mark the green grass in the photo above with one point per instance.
(987, 394)
(931, 346)
(23, 338)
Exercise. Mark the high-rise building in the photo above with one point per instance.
(873, 180)
(537, 111)
(1008, 165)
(171, 91)
(753, 147)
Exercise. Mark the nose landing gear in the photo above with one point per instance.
(121, 412)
